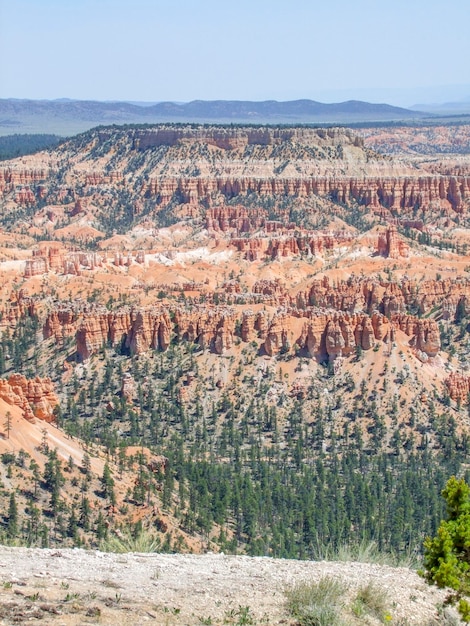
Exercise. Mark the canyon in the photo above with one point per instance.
(190, 203)
(182, 302)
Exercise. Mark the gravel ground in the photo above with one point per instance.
(73, 586)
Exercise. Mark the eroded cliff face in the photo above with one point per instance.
(17, 307)
(35, 397)
(384, 196)
(329, 319)
(285, 244)
(391, 246)
(230, 138)
(390, 298)
(193, 165)
(11, 177)
(422, 140)
(397, 196)
(360, 294)
(320, 335)
(62, 261)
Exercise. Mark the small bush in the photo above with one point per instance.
(317, 604)
(8, 458)
(371, 599)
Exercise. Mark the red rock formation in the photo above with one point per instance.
(11, 178)
(248, 330)
(92, 335)
(394, 195)
(364, 334)
(384, 187)
(390, 245)
(25, 196)
(140, 257)
(210, 328)
(391, 298)
(339, 338)
(35, 267)
(270, 287)
(318, 333)
(52, 258)
(60, 323)
(225, 333)
(276, 340)
(128, 387)
(458, 386)
(424, 334)
(287, 245)
(119, 323)
(35, 397)
(252, 249)
(233, 138)
(148, 329)
(79, 206)
(97, 179)
(238, 219)
(19, 305)
(45, 259)
(336, 335)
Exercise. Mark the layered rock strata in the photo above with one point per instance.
(319, 334)
(151, 165)
(395, 195)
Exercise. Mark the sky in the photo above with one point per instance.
(398, 51)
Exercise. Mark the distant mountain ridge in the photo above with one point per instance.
(66, 117)
(444, 108)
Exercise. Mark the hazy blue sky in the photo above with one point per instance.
(181, 50)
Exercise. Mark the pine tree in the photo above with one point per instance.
(107, 483)
(72, 527)
(86, 465)
(85, 514)
(34, 467)
(101, 528)
(447, 555)
(8, 423)
(12, 524)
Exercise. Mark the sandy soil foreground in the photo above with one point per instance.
(85, 587)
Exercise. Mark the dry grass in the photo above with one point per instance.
(317, 604)
(143, 542)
